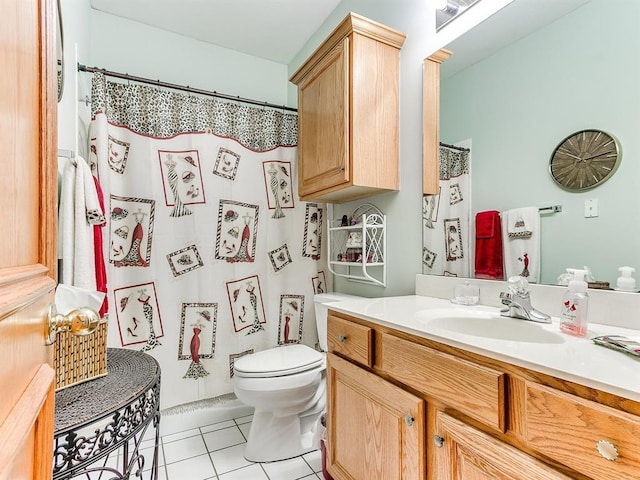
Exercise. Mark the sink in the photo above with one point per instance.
(488, 325)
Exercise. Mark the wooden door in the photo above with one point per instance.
(375, 430)
(464, 453)
(28, 239)
(323, 123)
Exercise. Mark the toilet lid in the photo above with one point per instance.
(279, 361)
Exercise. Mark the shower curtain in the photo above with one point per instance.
(210, 254)
(446, 246)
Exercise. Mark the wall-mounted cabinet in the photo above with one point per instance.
(348, 118)
(431, 121)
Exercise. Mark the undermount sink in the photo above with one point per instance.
(489, 325)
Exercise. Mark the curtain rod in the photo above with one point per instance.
(462, 149)
(158, 83)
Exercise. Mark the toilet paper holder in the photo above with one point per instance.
(79, 321)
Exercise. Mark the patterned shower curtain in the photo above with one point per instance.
(210, 254)
(446, 246)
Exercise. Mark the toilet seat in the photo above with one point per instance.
(278, 362)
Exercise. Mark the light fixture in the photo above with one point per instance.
(441, 4)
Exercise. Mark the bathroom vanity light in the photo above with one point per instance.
(447, 10)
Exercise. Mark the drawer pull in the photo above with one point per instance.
(408, 419)
(342, 338)
(438, 440)
(607, 450)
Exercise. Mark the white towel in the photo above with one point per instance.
(521, 243)
(79, 211)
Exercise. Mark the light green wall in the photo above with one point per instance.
(127, 46)
(582, 71)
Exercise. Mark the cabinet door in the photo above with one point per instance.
(375, 429)
(461, 452)
(323, 116)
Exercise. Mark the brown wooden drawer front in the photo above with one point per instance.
(474, 390)
(351, 340)
(567, 428)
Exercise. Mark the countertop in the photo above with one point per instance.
(576, 359)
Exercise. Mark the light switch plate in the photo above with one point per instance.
(591, 208)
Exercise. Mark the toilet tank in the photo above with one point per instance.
(320, 302)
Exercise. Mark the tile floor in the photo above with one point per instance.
(215, 452)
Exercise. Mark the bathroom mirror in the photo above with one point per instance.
(514, 102)
(59, 48)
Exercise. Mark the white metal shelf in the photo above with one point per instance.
(358, 252)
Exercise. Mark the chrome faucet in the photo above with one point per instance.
(518, 302)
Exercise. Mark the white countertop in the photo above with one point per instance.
(567, 357)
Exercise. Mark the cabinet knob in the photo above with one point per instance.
(342, 338)
(408, 419)
(438, 440)
(340, 168)
(607, 450)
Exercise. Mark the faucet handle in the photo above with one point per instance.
(505, 297)
(518, 286)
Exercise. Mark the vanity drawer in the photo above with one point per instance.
(350, 339)
(568, 429)
(474, 390)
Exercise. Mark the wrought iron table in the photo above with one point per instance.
(100, 424)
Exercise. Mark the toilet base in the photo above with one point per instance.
(273, 438)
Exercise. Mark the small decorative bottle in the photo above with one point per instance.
(575, 303)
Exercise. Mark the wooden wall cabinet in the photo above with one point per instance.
(484, 419)
(348, 118)
(431, 121)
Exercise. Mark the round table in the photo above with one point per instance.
(100, 424)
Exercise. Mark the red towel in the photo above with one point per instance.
(101, 270)
(488, 261)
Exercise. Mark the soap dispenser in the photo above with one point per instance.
(626, 282)
(575, 303)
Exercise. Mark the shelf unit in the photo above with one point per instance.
(358, 252)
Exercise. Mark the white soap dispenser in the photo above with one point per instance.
(626, 282)
(575, 303)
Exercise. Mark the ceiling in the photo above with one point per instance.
(272, 29)
(278, 29)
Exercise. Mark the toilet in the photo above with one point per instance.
(287, 387)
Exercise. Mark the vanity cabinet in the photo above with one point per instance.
(464, 452)
(348, 105)
(481, 418)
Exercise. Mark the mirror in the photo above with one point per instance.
(59, 49)
(514, 102)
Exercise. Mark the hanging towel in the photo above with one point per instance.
(79, 211)
(488, 260)
(521, 243)
(98, 251)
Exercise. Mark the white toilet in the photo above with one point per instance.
(286, 385)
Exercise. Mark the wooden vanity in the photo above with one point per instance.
(400, 406)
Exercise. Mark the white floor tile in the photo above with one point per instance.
(148, 457)
(223, 438)
(252, 472)
(291, 469)
(182, 449)
(229, 459)
(217, 426)
(196, 468)
(244, 428)
(314, 459)
(313, 476)
(180, 435)
(246, 419)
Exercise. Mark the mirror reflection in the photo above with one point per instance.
(512, 107)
